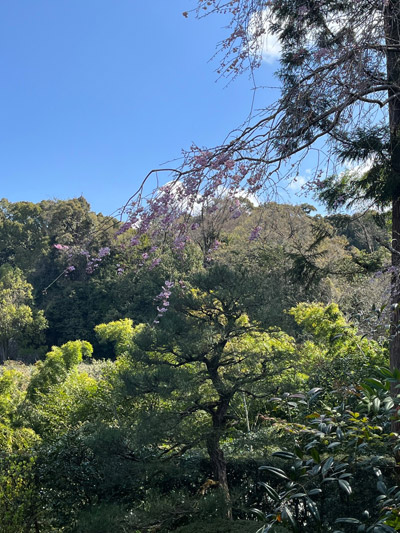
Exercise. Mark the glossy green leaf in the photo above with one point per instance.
(270, 491)
(345, 485)
(276, 471)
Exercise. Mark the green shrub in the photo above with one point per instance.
(218, 525)
(105, 518)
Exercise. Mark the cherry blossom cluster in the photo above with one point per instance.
(62, 247)
(255, 233)
(93, 263)
(164, 298)
(72, 252)
(215, 246)
(69, 253)
(205, 175)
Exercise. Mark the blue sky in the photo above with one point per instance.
(94, 94)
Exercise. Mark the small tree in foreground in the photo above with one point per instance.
(197, 366)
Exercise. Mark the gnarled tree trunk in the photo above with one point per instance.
(218, 462)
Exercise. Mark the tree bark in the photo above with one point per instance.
(395, 296)
(219, 421)
(218, 465)
(392, 36)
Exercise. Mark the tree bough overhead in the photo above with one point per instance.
(339, 80)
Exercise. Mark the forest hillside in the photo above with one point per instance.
(237, 383)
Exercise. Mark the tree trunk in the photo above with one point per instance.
(4, 349)
(392, 35)
(219, 421)
(395, 287)
(218, 464)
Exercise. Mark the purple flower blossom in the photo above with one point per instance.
(215, 245)
(255, 233)
(163, 294)
(70, 268)
(202, 159)
(243, 169)
(125, 227)
(319, 184)
(180, 242)
(103, 252)
(155, 263)
(213, 208)
(91, 267)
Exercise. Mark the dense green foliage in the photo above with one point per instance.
(201, 370)
(297, 257)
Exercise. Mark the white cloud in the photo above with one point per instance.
(271, 48)
(359, 170)
(297, 183)
(252, 198)
(178, 200)
(263, 40)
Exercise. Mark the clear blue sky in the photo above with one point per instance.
(94, 93)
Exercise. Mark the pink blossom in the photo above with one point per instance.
(103, 252)
(180, 242)
(155, 263)
(255, 233)
(125, 227)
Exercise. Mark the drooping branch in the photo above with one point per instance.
(333, 81)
